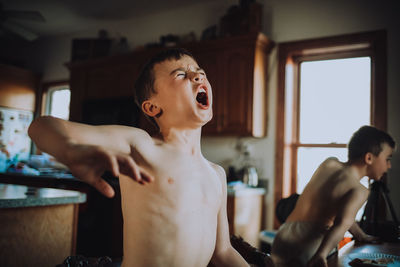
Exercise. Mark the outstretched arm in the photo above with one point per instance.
(224, 253)
(89, 151)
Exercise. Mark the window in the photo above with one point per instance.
(327, 89)
(57, 99)
(334, 101)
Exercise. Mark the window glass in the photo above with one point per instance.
(58, 102)
(309, 158)
(335, 99)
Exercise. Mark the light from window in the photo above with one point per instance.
(58, 102)
(308, 160)
(335, 99)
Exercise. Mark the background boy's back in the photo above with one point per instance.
(323, 195)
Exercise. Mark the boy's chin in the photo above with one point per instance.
(378, 178)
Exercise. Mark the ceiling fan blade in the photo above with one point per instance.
(19, 30)
(24, 15)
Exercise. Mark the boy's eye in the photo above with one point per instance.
(181, 74)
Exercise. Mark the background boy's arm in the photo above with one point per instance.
(224, 253)
(344, 219)
(89, 151)
(359, 234)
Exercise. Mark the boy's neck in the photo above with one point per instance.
(359, 169)
(187, 139)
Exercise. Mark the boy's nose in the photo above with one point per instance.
(196, 77)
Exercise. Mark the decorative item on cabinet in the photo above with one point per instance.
(88, 48)
(241, 19)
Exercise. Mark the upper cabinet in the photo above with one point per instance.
(17, 88)
(236, 68)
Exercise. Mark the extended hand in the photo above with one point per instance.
(317, 261)
(88, 163)
(268, 262)
(368, 239)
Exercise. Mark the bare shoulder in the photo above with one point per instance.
(351, 188)
(355, 196)
(219, 170)
(131, 134)
(331, 162)
(329, 168)
(359, 191)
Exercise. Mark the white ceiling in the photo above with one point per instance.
(70, 16)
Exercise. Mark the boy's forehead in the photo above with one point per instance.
(386, 148)
(185, 62)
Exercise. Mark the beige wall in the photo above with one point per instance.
(284, 20)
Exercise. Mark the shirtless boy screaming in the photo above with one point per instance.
(179, 218)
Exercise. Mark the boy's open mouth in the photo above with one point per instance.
(202, 98)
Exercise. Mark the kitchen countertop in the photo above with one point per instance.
(245, 191)
(16, 196)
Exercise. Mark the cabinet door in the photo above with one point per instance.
(237, 90)
(127, 75)
(77, 84)
(111, 81)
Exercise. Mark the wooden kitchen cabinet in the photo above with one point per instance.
(105, 78)
(236, 68)
(17, 87)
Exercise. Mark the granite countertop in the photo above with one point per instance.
(16, 196)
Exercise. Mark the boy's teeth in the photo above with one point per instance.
(202, 90)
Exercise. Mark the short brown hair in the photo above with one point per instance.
(368, 139)
(144, 85)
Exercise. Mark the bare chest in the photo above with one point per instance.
(182, 182)
(189, 181)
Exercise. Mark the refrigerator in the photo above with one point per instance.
(15, 144)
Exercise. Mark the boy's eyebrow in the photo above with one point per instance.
(182, 69)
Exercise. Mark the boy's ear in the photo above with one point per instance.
(368, 158)
(150, 109)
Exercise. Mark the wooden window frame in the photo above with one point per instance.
(42, 96)
(372, 44)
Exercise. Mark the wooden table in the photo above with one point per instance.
(342, 258)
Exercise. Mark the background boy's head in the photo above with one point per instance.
(144, 85)
(368, 139)
(372, 147)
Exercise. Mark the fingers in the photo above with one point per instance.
(123, 163)
(130, 168)
(104, 188)
(113, 165)
(146, 176)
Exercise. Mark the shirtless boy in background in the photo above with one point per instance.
(329, 203)
(179, 218)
